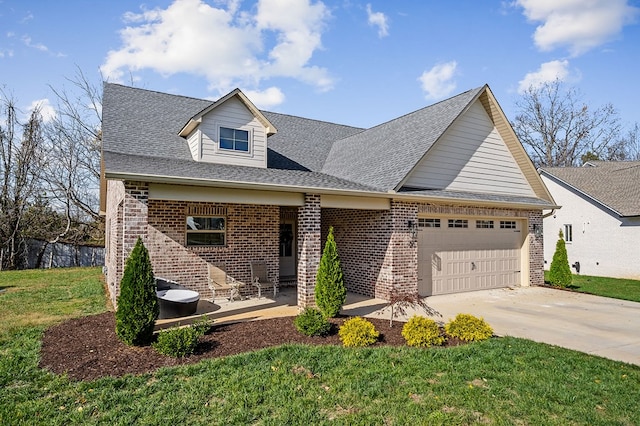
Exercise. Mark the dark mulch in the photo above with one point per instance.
(87, 348)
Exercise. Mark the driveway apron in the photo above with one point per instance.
(596, 325)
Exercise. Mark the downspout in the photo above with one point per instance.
(544, 216)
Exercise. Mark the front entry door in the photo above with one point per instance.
(287, 248)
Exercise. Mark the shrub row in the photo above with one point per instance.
(418, 331)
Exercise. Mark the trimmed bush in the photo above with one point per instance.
(422, 332)
(469, 328)
(311, 322)
(560, 271)
(330, 292)
(181, 342)
(137, 304)
(358, 331)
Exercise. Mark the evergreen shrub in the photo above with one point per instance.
(137, 304)
(469, 328)
(311, 322)
(330, 291)
(422, 332)
(560, 271)
(358, 331)
(180, 342)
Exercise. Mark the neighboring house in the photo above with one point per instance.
(599, 219)
(441, 200)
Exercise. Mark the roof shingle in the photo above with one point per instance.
(614, 184)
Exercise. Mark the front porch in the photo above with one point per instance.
(251, 309)
(186, 230)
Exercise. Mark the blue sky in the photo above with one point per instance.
(352, 62)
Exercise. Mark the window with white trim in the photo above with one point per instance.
(484, 224)
(234, 139)
(508, 224)
(206, 231)
(458, 223)
(568, 233)
(428, 223)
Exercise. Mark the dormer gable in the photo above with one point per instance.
(229, 131)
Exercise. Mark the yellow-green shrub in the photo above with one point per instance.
(422, 332)
(358, 332)
(469, 328)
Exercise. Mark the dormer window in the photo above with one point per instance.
(234, 139)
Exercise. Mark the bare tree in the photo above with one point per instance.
(74, 137)
(20, 166)
(631, 143)
(558, 128)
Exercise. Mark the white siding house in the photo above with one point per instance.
(599, 218)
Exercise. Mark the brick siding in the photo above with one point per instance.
(536, 249)
(378, 251)
(309, 249)
(252, 233)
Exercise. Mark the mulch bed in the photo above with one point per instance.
(87, 348)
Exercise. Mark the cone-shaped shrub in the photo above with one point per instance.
(137, 304)
(560, 272)
(330, 290)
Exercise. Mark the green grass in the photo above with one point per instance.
(500, 381)
(616, 288)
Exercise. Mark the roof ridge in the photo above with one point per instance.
(419, 110)
(158, 92)
(311, 119)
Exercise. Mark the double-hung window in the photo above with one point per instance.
(234, 139)
(206, 231)
(568, 233)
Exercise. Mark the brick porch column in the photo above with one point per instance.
(400, 266)
(135, 218)
(536, 250)
(309, 244)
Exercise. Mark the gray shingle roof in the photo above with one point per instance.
(188, 170)
(140, 139)
(303, 141)
(614, 184)
(383, 155)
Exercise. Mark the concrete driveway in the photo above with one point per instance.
(596, 325)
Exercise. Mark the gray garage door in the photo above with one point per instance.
(457, 255)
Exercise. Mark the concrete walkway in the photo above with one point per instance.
(596, 325)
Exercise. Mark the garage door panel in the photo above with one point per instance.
(454, 260)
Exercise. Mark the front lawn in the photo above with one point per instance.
(500, 381)
(617, 288)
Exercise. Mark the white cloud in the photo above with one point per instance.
(265, 99)
(39, 46)
(577, 24)
(227, 46)
(548, 71)
(47, 111)
(378, 19)
(438, 82)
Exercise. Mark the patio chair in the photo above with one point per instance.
(259, 277)
(220, 281)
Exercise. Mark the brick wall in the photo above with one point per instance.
(536, 250)
(252, 233)
(400, 268)
(361, 237)
(113, 260)
(309, 249)
(376, 248)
